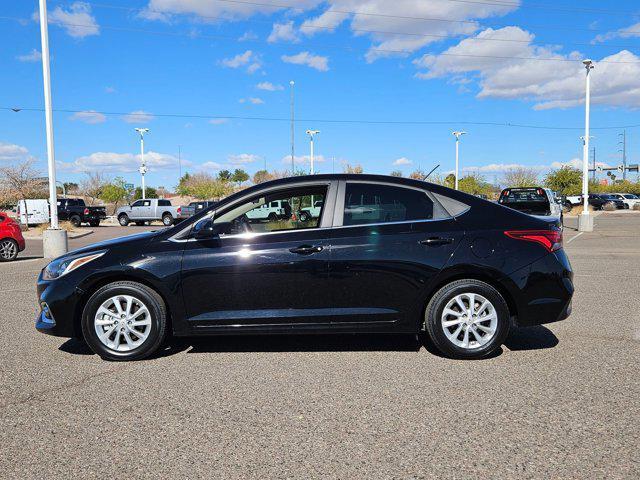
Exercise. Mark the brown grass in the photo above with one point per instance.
(63, 225)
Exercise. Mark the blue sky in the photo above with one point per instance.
(218, 63)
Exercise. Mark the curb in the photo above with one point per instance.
(70, 236)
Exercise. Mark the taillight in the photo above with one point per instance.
(549, 239)
(86, 211)
(179, 210)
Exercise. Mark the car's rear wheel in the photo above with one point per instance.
(467, 319)
(124, 321)
(123, 220)
(75, 220)
(167, 219)
(272, 217)
(304, 217)
(8, 250)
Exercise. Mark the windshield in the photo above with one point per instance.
(630, 197)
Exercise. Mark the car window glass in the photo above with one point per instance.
(274, 212)
(137, 204)
(374, 203)
(146, 203)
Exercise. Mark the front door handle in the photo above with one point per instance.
(306, 249)
(436, 241)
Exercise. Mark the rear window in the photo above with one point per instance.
(525, 195)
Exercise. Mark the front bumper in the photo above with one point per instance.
(61, 299)
(544, 290)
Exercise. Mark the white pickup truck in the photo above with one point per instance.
(148, 210)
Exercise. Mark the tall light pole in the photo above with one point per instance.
(458, 134)
(624, 153)
(293, 165)
(143, 166)
(54, 240)
(585, 221)
(312, 133)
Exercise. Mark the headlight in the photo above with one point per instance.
(62, 266)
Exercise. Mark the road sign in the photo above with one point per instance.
(128, 186)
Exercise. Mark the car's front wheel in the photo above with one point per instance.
(467, 319)
(124, 321)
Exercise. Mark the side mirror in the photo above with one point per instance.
(207, 230)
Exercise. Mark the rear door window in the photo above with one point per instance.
(377, 203)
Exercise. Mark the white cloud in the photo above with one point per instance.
(552, 84)
(109, 90)
(119, 162)
(12, 152)
(627, 32)
(211, 11)
(252, 100)
(502, 167)
(248, 59)
(305, 58)
(138, 116)
(409, 17)
(577, 163)
(89, 116)
(33, 56)
(77, 20)
(218, 121)
(242, 159)
(247, 36)
(402, 161)
(269, 87)
(210, 166)
(284, 32)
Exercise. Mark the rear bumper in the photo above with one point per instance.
(544, 290)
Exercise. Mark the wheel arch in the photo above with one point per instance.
(472, 273)
(117, 277)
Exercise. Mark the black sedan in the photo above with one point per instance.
(599, 200)
(385, 255)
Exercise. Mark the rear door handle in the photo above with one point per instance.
(436, 241)
(306, 249)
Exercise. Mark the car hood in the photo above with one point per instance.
(116, 242)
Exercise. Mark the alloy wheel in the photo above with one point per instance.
(8, 250)
(469, 320)
(122, 323)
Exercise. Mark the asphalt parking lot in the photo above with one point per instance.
(560, 401)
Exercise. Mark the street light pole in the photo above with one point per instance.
(293, 165)
(585, 221)
(54, 240)
(143, 166)
(457, 134)
(312, 133)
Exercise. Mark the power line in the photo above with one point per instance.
(316, 45)
(322, 120)
(387, 32)
(343, 12)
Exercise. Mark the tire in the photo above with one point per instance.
(167, 219)
(272, 217)
(304, 217)
(128, 345)
(451, 345)
(123, 219)
(8, 250)
(75, 220)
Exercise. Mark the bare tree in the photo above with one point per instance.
(348, 168)
(418, 174)
(20, 181)
(92, 185)
(521, 177)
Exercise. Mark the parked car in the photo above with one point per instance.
(454, 268)
(533, 201)
(11, 239)
(272, 211)
(309, 213)
(599, 200)
(195, 207)
(33, 211)
(77, 212)
(628, 199)
(148, 210)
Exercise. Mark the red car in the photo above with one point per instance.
(11, 239)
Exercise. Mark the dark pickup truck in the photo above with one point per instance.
(76, 212)
(190, 210)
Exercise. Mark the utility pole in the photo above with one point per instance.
(143, 166)
(312, 133)
(585, 221)
(457, 134)
(54, 240)
(293, 164)
(624, 153)
(593, 151)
